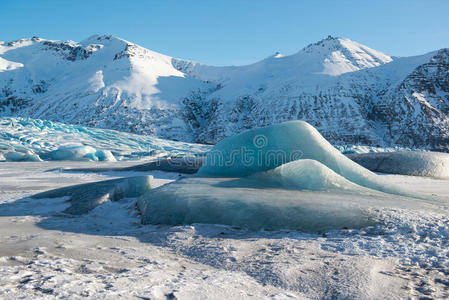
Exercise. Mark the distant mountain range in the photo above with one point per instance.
(352, 94)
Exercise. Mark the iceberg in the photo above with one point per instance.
(428, 164)
(269, 147)
(250, 203)
(284, 176)
(79, 153)
(236, 202)
(85, 197)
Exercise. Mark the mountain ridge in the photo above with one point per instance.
(351, 93)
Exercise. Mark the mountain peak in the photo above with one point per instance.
(330, 40)
(103, 38)
(340, 55)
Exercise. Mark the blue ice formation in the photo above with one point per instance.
(284, 176)
(266, 148)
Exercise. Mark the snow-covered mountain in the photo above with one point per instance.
(351, 93)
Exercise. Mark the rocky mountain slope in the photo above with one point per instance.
(351, 93)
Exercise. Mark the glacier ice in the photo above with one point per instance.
(268, 147)
(85, 197)
(429, 164)
(31, 139)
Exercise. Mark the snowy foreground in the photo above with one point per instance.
(108, 253)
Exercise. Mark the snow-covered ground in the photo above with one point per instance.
(108, 253)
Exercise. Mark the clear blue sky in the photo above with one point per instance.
(234, 32)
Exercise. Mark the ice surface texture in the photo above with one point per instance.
(85, 197)
(429, 164)
(30, 140)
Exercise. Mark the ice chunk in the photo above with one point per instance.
(85, 197)
(79, 153)
(247, 202)
(304, 174)
(429, 164)
(22, 156)
(285, 176)
(105, 155)
(266, 148)
(74, 153)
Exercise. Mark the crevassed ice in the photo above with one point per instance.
(23, 139)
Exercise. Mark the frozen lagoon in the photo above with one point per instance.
(107, 253)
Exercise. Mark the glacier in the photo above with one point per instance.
(24, 139)
(307, 185)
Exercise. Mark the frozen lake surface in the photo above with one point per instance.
(108, 253)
